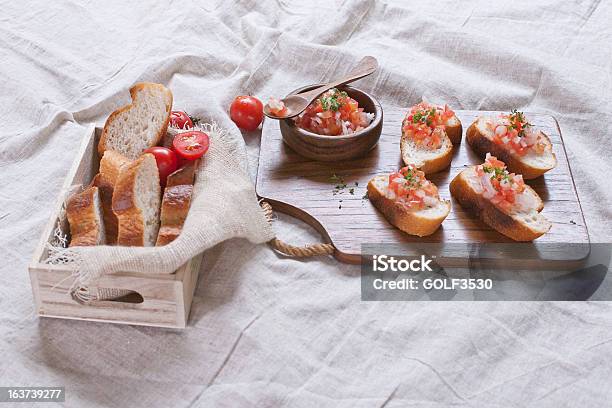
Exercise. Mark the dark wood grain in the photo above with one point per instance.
(302, 188)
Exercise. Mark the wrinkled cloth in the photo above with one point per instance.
(265, 330)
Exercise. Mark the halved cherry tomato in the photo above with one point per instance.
(181, 120)
(246, 112)
(167, 162)
(191, 145)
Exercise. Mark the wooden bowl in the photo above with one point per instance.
(335, 148)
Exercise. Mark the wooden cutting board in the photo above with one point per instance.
(305, 189)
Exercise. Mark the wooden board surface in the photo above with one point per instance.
(304, 189)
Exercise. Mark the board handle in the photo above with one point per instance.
(292, 250)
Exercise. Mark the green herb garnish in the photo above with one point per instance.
(426, 117)
(518, 122)
(331, 101)
(497, 172)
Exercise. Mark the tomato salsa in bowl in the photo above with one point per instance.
(342, 124)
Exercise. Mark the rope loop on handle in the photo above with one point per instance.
(291, 250)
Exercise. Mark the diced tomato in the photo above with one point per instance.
(411, 187)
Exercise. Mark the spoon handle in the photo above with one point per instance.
(366, 66)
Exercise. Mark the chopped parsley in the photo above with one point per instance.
(424, 116)
(518, 122)
(339, 182)
(331, 100)
(497, 173)
(412, 179)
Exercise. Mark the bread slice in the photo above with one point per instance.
(531, 165)
(176, 203)
(111, 164)
(140, 125)
(427, 160)
(110, 167)
(454, 130)
(414, 222)
(136, 202)
(518, 224)
(84, 213)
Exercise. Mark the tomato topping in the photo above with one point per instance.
(277, 107)
(411, 189)
(499, 185)
(166, 160)
(246, 112)
(181, 120)
(425, 124)
(191, 145)
(516, 133)
(334, 113)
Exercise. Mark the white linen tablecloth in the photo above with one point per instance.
(270, 331)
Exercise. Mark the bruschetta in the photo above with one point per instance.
(515, 141)
(409, 201)
(501, 199)
(428, 135)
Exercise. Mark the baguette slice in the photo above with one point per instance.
(110, 167)
(111, 164)
(136, 202)
(176, 203)
(140, 125)
(427, 160)
(454, 130)
(414, 222)
(531, 165)
(520, 225)
(84, 213)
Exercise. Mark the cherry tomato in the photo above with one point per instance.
(181, 120)
(246, 112)
(167, 162)
(191, 145)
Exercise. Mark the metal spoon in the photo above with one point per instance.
(297, 103)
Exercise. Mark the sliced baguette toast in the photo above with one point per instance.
(427, 160)
(519, 225)
(84, 213)
(110, 167)
(454, 130)
(140, 125)
(136, 202)
(530, 165)
(176, 203)
(414, 222)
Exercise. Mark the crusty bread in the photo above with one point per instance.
(454, 130)
(136, 202)
(111, 164)
(427, 160)
(84, 213)
(517, 224)
(110, 167)
(531, 165)
(414, 222)
(140, 125)
(176, 203)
